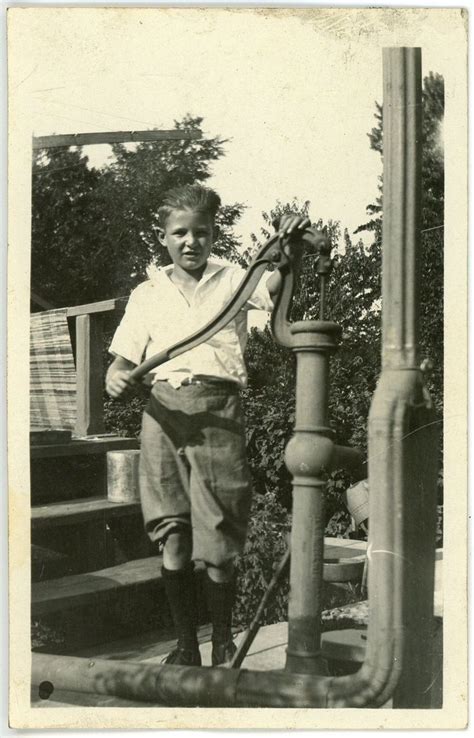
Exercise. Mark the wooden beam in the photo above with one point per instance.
(81, 589)
(111, 137)
(38, 300)
(76, 590)
(103, 306)
(83, 447)
(78, 511)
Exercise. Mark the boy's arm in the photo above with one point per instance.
(117, 380)
(130, 340)
(273, 284)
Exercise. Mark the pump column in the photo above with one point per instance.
(307, 454)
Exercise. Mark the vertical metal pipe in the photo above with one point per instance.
(306, 576)
(312, 377)
(402, 442)
(402, 206)
(307, 454)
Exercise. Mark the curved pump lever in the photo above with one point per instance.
(272, 252)
(280, 321)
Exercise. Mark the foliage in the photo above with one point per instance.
(266, 544)
(339, 524)
(123, 418)
(93, 229)
(338, 520)
(352, 302)
(67, 227)
(269, 413)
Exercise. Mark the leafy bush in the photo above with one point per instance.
(266, 544)
(121, 417)
(124, 418)
(269, 413)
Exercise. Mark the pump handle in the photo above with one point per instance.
(272, 252)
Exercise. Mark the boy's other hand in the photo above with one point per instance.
(289, 225)
(119, 383)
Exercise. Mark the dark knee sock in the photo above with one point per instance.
(181, 594)
(220, 601)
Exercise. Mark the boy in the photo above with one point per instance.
(194, 478)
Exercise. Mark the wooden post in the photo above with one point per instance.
(89, 370)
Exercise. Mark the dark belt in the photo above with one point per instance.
(213, 382)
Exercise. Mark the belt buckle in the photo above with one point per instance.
(188, 381)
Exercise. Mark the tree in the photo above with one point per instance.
(67, 226)
(93, 229)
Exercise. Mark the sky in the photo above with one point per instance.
(294, 96)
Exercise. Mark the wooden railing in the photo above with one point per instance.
(89, 362)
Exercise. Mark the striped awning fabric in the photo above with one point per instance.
(52, 372)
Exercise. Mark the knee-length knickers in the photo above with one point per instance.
(193, 468)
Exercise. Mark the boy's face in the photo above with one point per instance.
(188, 235)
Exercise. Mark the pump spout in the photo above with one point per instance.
(351, 459)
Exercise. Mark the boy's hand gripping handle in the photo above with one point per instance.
(289, 268)
(274, 251)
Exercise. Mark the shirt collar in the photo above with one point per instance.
(212, 267)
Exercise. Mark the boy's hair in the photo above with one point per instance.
(189, 197)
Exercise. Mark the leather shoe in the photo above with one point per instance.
(183, 657)
(223, 652)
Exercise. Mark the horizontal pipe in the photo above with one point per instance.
(188, 686)
(350, 459)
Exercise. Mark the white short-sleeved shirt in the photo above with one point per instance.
(158, 316)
